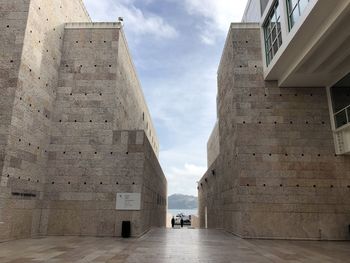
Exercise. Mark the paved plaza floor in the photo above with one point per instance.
(170, 246)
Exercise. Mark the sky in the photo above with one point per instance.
(176, 46)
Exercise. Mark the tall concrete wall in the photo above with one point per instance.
(39, 41)
(277, 175)
(13, 20)
(81, 194)
(154, 189)
(91, 158)
(48, 102)
(213, 145)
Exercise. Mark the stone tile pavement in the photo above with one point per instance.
(172, 245)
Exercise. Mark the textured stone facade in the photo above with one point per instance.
(75, 128)
(213, 146)
(277, 175)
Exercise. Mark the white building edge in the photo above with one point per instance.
(306, 43)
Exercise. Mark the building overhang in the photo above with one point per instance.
(316, 51)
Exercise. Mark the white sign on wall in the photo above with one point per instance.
(128, 201)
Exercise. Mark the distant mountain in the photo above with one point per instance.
(179, 201)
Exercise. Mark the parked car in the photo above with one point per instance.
(186, 219)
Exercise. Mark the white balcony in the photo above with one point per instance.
(315, 52)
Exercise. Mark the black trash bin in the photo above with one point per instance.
(126, 229)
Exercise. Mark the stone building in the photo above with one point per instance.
(282, 166)
(75, 129)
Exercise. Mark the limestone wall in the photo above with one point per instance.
(13, 18)
(39, 36)
(92, 157)
(211, 197)
(81, 193)
(12, 29)
(213, 145)
(154, 191)
(69, 93)
(277, 173)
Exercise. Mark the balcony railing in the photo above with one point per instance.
(342, 117)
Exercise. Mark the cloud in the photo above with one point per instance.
(136, 21)
(178, 76)
(184, 178)
(217, 16)
(184, 117)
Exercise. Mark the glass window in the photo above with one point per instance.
(295, 9)
(272, 32)
(340, 93)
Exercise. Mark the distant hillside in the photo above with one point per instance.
(179, 201)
